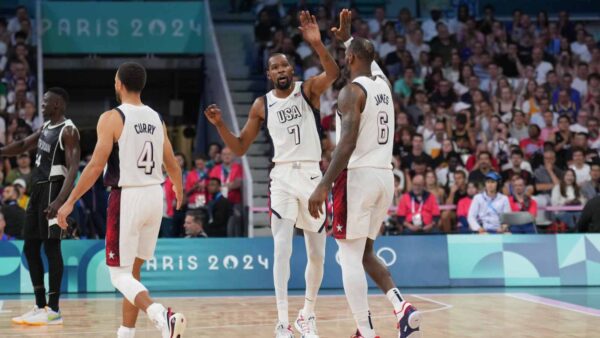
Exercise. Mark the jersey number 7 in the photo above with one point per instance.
(146, 158)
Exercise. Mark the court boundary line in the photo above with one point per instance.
(555, 303)
(443, 307)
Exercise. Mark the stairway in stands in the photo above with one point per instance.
(235, 36)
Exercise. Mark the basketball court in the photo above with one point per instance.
(489, 312)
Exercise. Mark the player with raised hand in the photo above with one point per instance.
(290, 114)
(363, 183)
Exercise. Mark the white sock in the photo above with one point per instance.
(283, 234)
(155, 313)
(395, 298)
(365, 326)
(126, 332)
(355, 283)
(315, 251)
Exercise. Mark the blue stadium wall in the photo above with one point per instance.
(414, 261)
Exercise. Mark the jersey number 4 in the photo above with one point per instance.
(146, 158)
(383, 129)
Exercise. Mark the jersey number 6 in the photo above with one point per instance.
(383, 129)
(146, 158)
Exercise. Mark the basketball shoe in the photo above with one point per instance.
(409, 321)
(359, 335)
(172, 324)
(21, 319)
(307, 326)
(44, 317)
(283, 330)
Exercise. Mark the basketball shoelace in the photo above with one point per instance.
(309, 325)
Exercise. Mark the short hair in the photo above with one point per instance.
(562, 117)
(460, 172)
(200, 156)
(60, 92)
(196, 215)
(517, 152)
(133, 76)
(578, 150)
(363, 49)
(418, 135)
(215, 179)
(485, 152)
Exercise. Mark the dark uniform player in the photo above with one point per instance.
(56, 165)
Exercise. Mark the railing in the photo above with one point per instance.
(223, 99)
(393, 209)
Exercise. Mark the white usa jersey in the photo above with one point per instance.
(137, 158)
(293, 127)
(375, 135)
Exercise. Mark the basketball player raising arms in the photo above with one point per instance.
(132, 140)
(56, 166)
(363, 183)
(290, 113)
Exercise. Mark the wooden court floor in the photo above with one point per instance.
(445, 315)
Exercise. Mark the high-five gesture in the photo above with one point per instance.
(342, 33)
(309, 28)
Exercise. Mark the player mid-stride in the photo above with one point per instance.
(133, 145)
(291, 117)
(363, 183)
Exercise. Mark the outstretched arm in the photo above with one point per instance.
(172, 167)
(238, 144)
(351, 102)
(21, 146)
(104, 146)
(342, 33)
(315, 86)
(70, 140)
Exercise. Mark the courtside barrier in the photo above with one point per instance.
(246, 263)
(393, 209)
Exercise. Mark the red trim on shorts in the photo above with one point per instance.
(113, 224)
(340, 205)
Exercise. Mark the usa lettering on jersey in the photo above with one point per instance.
(289, 114)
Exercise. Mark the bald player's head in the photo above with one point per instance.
(359, 55)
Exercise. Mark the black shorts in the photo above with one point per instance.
(36, 224)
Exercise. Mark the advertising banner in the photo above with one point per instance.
(125, 27)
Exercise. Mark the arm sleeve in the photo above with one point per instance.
(472, 216)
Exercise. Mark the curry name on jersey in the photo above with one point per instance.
(137, 158)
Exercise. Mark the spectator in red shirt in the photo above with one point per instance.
(231, 175)
(533, 144)
(462, 208)
(174, 228)
(418, 211)
(195, 183)
(519, 201)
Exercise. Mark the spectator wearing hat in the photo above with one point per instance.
(21, 187)
(485, 212)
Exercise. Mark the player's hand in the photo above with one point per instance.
(63, 213)
(178, 195)
(213, 114)
(52, 209)
(309, 28)
(317, 200)
(342, 33)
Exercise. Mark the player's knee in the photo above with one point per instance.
(122, 279)
(316, 257)
(52, 249)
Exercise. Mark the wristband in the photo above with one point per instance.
(347, 42)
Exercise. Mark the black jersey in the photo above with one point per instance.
(50, 163)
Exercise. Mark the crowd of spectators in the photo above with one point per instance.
(212, 186)
(487, 111)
